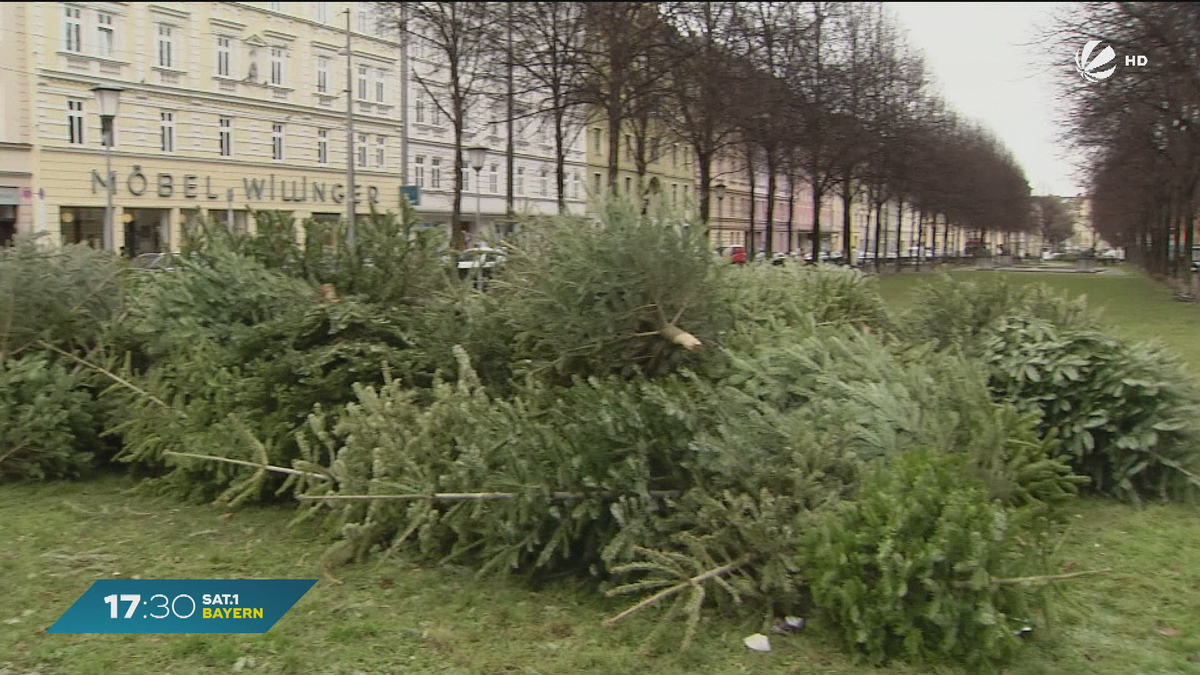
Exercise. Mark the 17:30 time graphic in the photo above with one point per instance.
(168, 605)
(181, 606)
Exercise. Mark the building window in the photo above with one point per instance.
(72, 25)
(494, 179)
(224, 54)
(654, 149)
(544, 184)
(322, 146)
(277, 56)
(674, 155)
(380, 78)
(466, 177)
(419, 171)
(596, 133)
(364, 17)
(596, 183)
(323, 74)
(322, 11)
(277, 142)
(380, 147)
(685, 192)
(360, 150)
(575, 185)
(674, 193)
(521, 181)
(167, 131)
(226, 136)
(628, 185)
(104, 34)
(628, 147)
(362, 83)
(435, 173)
(75, 122)
(166, 46)
(420, 112)
(276, 6)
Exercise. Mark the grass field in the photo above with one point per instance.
(388, 616)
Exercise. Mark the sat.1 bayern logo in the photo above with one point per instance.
(1092, 69)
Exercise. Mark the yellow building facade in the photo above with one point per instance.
(670, 172)
(226, 108)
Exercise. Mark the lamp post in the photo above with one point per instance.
(476, 156)
(109, 99)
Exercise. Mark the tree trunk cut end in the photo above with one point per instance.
(681, 337)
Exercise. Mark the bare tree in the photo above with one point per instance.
(702, 85)
(549, 39)
(618, 71)
(461, 34)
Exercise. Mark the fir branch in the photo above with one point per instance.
(239, 462)
(684, 585)
(116, 378)
(1042, 579)
(483, 496)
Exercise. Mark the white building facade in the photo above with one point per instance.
(228, 108)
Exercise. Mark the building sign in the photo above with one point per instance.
(194, 186)
(412, 192)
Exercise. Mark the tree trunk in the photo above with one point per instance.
(816, 211)
(704, 158)
(510, 150)
(920, 237)
(879, 232)
(750, 245)
(560, 157)
(614, 147)
(933, 242)
(847, 222)
(791, 212)
(769, 232)
(899, 231)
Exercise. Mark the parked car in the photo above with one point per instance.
(478, 263)
(736, 253)
(154, 261)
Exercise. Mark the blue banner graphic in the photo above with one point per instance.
(182, 606)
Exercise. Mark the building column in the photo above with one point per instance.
(174, 236)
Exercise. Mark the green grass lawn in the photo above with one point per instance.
(389, 616)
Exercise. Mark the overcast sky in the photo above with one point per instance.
(979, 56)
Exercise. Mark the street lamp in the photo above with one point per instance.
(109, 98)
(719, 191)
(476, 155)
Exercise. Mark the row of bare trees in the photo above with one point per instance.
(816, 94)
(1139, 128)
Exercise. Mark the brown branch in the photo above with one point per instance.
(240, 462)
(482, 496)
(694, 581)
(1047, 578)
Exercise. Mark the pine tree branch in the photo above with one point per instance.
(120, 380)
(1043, 579)
(240, 462)
(684, 585)
(479, 496)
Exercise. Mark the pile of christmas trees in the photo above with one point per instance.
(619, 404)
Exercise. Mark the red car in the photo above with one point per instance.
(736, 253)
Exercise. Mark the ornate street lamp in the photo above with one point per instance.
(476, 156)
